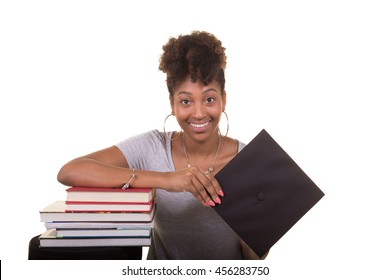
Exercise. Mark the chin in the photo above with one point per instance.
(201, 136)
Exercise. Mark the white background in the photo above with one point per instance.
(77, 76)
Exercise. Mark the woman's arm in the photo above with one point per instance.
(109, 168)
(104, 168)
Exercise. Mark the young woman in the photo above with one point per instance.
(180, 165)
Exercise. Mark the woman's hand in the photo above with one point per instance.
(203, 186)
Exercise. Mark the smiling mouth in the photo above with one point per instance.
(199, 125)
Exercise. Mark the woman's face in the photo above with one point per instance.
(198, 108)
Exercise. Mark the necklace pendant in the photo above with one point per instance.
(209, 170)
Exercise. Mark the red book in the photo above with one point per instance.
(86, 206)
(118, 195)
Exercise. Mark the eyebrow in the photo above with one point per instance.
(204, 92)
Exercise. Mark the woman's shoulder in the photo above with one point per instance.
(236, 143)
(153, 135)
(241, 145)
(149, 140)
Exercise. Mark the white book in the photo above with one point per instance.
(57, 212)
(109, 232)
(100, 225)
(50, 239)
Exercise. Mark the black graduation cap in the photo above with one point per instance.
(266, 193)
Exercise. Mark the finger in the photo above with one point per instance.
(196, 194)
(205, 201)
(211, 185)
(202, 193)
(204, 185)
(215, 184)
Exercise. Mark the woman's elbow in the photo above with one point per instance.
(62, 176)
(65, 175)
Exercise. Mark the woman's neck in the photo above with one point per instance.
(202, 149)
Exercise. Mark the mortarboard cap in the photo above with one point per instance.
(266, 193)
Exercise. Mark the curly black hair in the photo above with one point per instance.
(199, 55)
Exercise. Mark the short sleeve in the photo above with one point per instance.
(147, 151)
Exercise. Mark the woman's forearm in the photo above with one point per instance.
(88, 172)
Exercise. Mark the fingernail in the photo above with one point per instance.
(217, 200)
(211, 203)
(221, 193)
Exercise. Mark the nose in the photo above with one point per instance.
(199, 111)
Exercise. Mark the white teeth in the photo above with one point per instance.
(199, 125)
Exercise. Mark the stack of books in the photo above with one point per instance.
(99, 217)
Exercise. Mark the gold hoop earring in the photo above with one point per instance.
(227, 125)
(165, 133)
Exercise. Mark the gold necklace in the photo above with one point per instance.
(211, 168)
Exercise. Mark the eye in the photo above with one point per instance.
(185, 102)
(210, 99)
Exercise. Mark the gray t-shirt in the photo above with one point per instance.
(183, 227)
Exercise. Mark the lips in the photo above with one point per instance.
(199, 127)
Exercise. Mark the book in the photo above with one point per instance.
(56, 212)
(89, 194)
(50, 239)
(101, 225)
(107, 232)
(75, 206)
